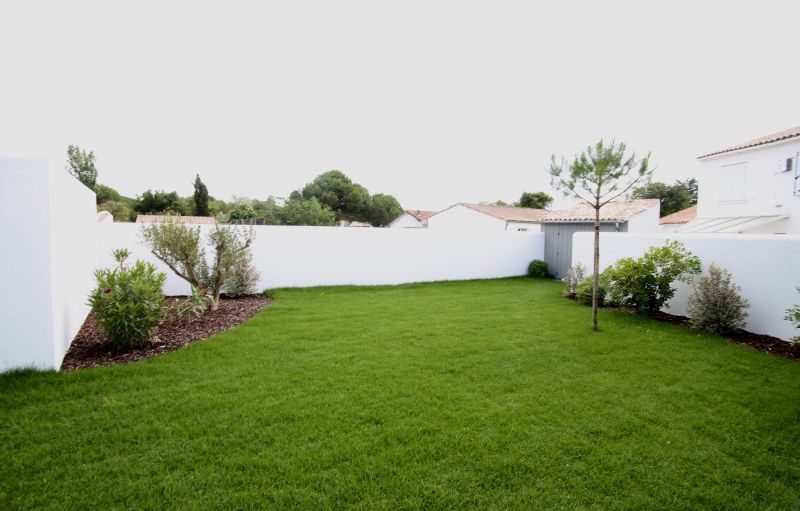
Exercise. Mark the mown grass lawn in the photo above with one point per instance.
(483, 394)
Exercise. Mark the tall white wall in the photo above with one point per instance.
(312, 256)
(646, 221)
(765, 266)
(47, 228)
(751, 182)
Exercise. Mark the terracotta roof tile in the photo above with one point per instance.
(420, 214)
(151, 219)
(683, 216)
(509, 213)
(766, 139)
(617, 211)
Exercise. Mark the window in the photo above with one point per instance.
(796, 188)
(732, 185)
(789, 165)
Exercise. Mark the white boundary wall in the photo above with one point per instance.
(314, 256)
(48, 235)
(766, 267)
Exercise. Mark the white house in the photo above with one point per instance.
(751, 188)
(483, 218)
(413, 218)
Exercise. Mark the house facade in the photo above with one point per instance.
(752, 187)
(487, 218)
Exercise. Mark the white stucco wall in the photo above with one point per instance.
(406, 221)
(523, 226)
(765, 266)
(47, 229)
(646, 221)
(312, 256)
(751, 182)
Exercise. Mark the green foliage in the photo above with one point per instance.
(193, 306)
(538, 268)
(268, 211)
(673, 198)
(300, 211)
(81, 165)
(347, 200)
(158, 202)
(128, 302)
(242, 212)
(584, 288)
(200, 198)
(242, 277)
(120, 210)
(691, 187)
(574, 276)
(715, 304)
(105, 193)
(645, 284)
(597, 176)
(382, 209)
(536, 200)
(793, 316)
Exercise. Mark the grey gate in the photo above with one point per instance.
(558, 242)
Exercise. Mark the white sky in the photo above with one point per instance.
(434, 102)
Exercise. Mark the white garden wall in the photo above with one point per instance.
(47, 230)
(314, 256)
(765, 266)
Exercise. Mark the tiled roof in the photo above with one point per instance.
(766, 139)
(617, 211)
(683, 216)
(509, 213)
(421, 215)
(151, 219)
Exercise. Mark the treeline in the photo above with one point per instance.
(331, 198)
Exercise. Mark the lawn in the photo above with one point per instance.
(482, 394)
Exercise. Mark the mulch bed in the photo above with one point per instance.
(765, 343)
(90, 348)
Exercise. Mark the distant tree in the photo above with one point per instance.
(105, 193)
(200, 197)
(242, 212)
(673, 197)
(348, 200)
(382, 210)
(536, 200)
(158, 202)
(81, 165)
(300, 211)
(597, 176)
(120, 210)
(501, 202)
(268, 211)
(691, 187)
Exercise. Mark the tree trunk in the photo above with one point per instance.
(596, 265)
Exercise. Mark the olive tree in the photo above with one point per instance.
(179, 246)
(597, 176)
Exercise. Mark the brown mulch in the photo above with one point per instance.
(765, 343)
(90, 349)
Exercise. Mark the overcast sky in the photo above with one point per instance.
(434, 102)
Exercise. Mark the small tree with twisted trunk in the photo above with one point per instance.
(597, 176)
(179, 247)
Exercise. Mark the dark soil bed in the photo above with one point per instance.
(90, 349)
(760, 342)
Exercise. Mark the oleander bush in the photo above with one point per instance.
(583, 291)
(715, 304)
(574, 276)
(128, 301)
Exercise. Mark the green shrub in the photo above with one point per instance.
(128, 302)
(538, 268)
(583, 291)
(193, 306)
(793, 315)
(645, 284)
(573, 277)
(715, 304)
(242, 278)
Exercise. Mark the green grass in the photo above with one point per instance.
(483, 394)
